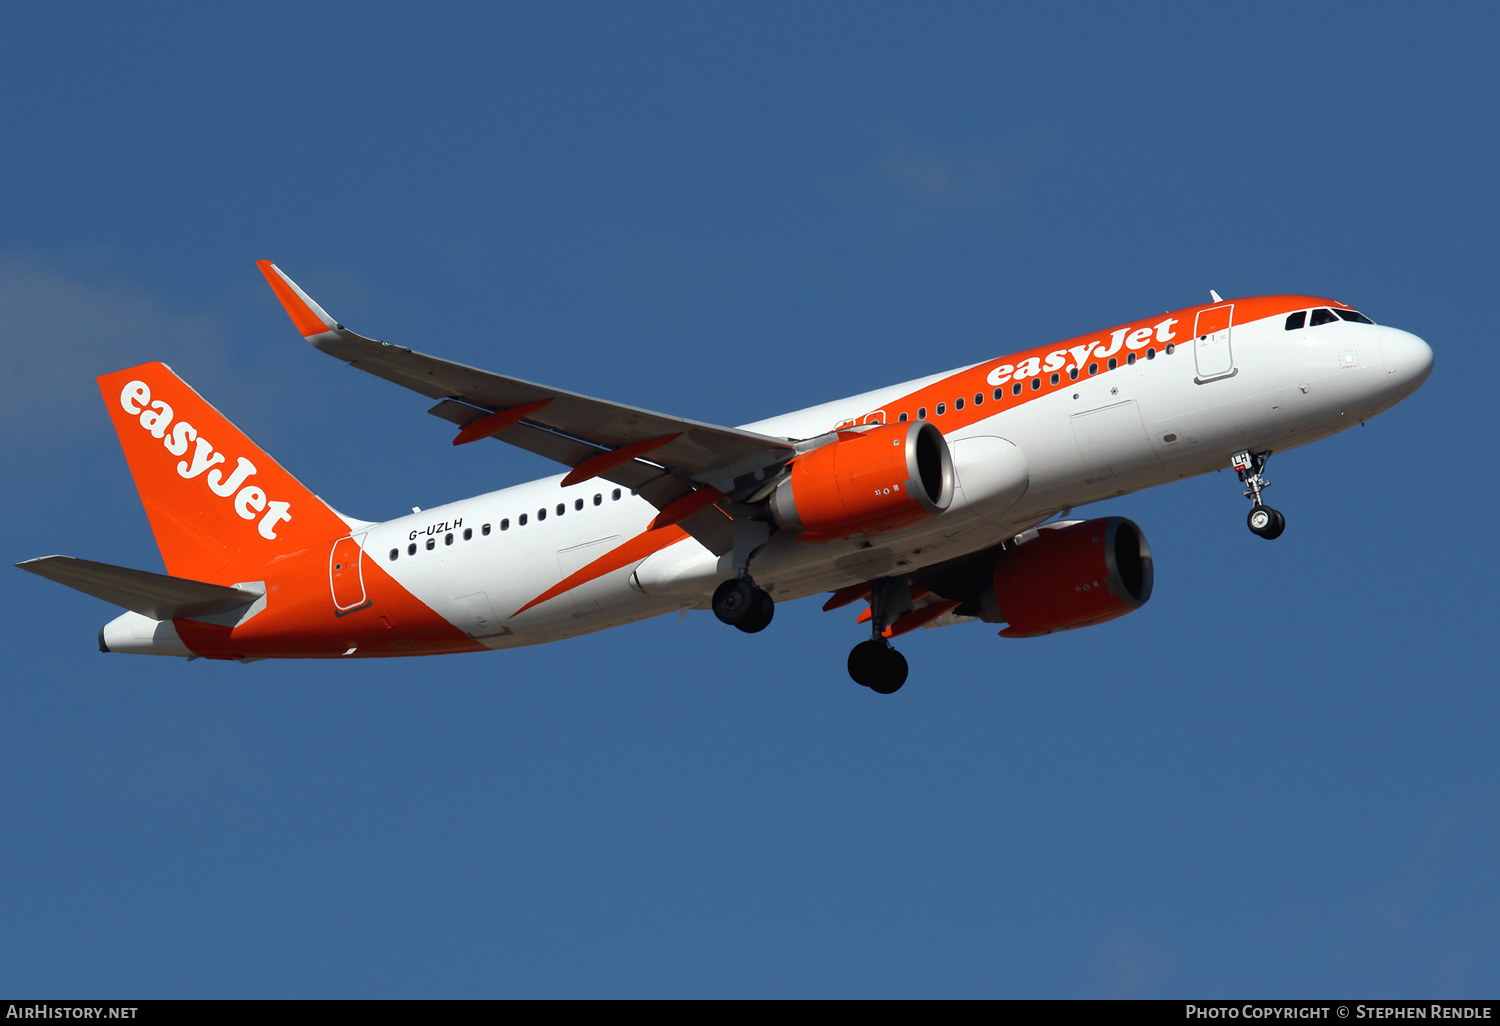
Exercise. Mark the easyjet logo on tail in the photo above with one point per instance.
(249, 501)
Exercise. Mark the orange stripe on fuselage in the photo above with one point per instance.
(300, 620)
(966, 384)
(632, 551)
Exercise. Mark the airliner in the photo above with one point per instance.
(935, 502)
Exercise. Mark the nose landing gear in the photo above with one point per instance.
(1264, 521)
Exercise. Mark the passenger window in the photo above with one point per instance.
(1093, 368)
(1073, 373)
(431, 544)
(485, 530)
(468, 533)
(448, 538)
(1113, 363)
(1296, 320)
(505, 524)
(902, 418)
(1322, 317)
(562, 507)
(1151, 353)
(922, 413)
(615, 495)
(1015, 389)
(958, 404)
(541, 514)
(1130, 359)
(1355, 316)
(978, 398)
(394, 554)
(998, 393)
(598, 499)
(942, 409)
(521, 520)
(1054, 379)
(411, 550)
(1036, 383)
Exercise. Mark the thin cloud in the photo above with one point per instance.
(58, 332)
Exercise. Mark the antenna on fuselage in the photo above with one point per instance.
(1217, 298)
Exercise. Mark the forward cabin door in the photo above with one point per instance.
(346, 575)
(1211, 348)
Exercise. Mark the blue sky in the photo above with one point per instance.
(1278, 778)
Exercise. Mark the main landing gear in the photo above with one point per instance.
(741, 604)
(874, 663)
(1263, 520)
(878, 666)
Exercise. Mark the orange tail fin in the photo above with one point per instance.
(220, 507)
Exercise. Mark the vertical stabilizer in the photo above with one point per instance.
(220, 507)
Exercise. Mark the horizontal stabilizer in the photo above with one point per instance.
(155, 595)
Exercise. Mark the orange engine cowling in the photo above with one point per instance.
(1071, 575)
(867, 481)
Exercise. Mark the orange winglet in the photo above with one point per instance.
(304, 312)
(685, 507)
(498, 421)
(607, 461)
(632, 551)
(917, 617)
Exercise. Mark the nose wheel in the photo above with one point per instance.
(1264, 521)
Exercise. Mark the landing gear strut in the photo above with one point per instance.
(874, 663)
(1263, 520)
(741, 604)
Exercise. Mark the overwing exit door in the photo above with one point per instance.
(1211, 347)
(346, 575)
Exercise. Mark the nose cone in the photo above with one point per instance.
(1408, 360)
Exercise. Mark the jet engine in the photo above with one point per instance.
(867, 481)
(1067, 576)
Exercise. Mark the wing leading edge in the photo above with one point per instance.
(670, 457)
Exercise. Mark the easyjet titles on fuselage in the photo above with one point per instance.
(1056, 360)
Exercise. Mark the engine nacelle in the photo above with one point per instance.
(1073, 575)
(867, 482)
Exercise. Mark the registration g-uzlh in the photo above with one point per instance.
(1120, 338)
(249, 500)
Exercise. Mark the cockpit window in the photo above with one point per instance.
(1323, 317)
(1296, 320)
(1355, 316)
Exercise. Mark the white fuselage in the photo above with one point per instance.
(1132, 428)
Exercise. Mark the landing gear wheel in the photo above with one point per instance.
(877, 666)
(760, 615)
(734, 601)
(1266, 522)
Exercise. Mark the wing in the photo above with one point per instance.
(669, 461)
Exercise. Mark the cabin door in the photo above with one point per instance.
(346, 575)
(1211, 349)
